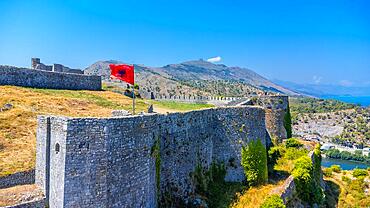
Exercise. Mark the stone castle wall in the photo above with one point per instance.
(100, 162)
(46, 79)
(36, 64)
(19, 178)
(276, 107)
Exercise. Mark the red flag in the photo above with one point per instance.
(122, 72)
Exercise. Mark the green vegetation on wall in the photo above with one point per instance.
(274, 155)
(307, 178)
(288, 123)
(211, 186)
(254, 162)
(156, 154)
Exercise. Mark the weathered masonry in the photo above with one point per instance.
(47, 79)
(135, 161)
(276, 107)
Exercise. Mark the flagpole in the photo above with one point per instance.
(133, 99)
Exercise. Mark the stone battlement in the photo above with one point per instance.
(111, 162)
(36, 64)
(47, 79)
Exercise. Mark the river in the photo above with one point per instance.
(344, 164)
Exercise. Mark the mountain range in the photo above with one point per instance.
(325, 90)
(196, 78)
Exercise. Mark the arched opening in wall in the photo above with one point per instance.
(57, 148)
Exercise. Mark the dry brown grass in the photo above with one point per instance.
(255, 196)
(18, 125)
(19, 194)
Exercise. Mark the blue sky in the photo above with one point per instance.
(302, 41)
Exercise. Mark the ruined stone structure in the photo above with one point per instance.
(47, 79)
(36, 64)
(276, 107)
(136, 161)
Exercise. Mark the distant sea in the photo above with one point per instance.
(362, 100)
(344, 164)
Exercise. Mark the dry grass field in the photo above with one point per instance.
(255, 196)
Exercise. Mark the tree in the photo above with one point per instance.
(254, 162)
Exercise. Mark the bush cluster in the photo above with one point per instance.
(273, 201)
(254, 162)
(293, 142)
(274, 154)
(359, 173)
(334, 168)
(307, 178)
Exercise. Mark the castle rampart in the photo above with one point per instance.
(36, 64)
(111, 162)
(276, 107)
(47, 79)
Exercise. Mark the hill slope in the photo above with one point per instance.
(196, 78)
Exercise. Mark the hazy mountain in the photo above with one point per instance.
(196, 77)
(325, 90)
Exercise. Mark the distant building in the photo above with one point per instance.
(327, 146)
(36, 64)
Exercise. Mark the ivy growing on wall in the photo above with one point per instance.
(254, 162)
(204, 178)
(155, 151)
(288, 123)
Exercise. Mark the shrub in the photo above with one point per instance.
(346, 179)
(292, 142)
(336, 168)
(317, 172)
(328, 172)
(308, 187)
(254, 162)
(295, 153)
(273, 201)
(359, 172)
(273, 155)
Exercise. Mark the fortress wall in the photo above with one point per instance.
(112, 160)
(18, 178)
(50, 158)
(185, 142)
(232, 129)
(46, 79)
(276, 107)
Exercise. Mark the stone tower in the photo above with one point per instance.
(35, 62)
(276, 107)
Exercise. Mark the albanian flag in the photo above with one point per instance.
(122, 72)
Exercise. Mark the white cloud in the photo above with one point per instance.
(316, 79)
(214, 59)
(345, 83)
